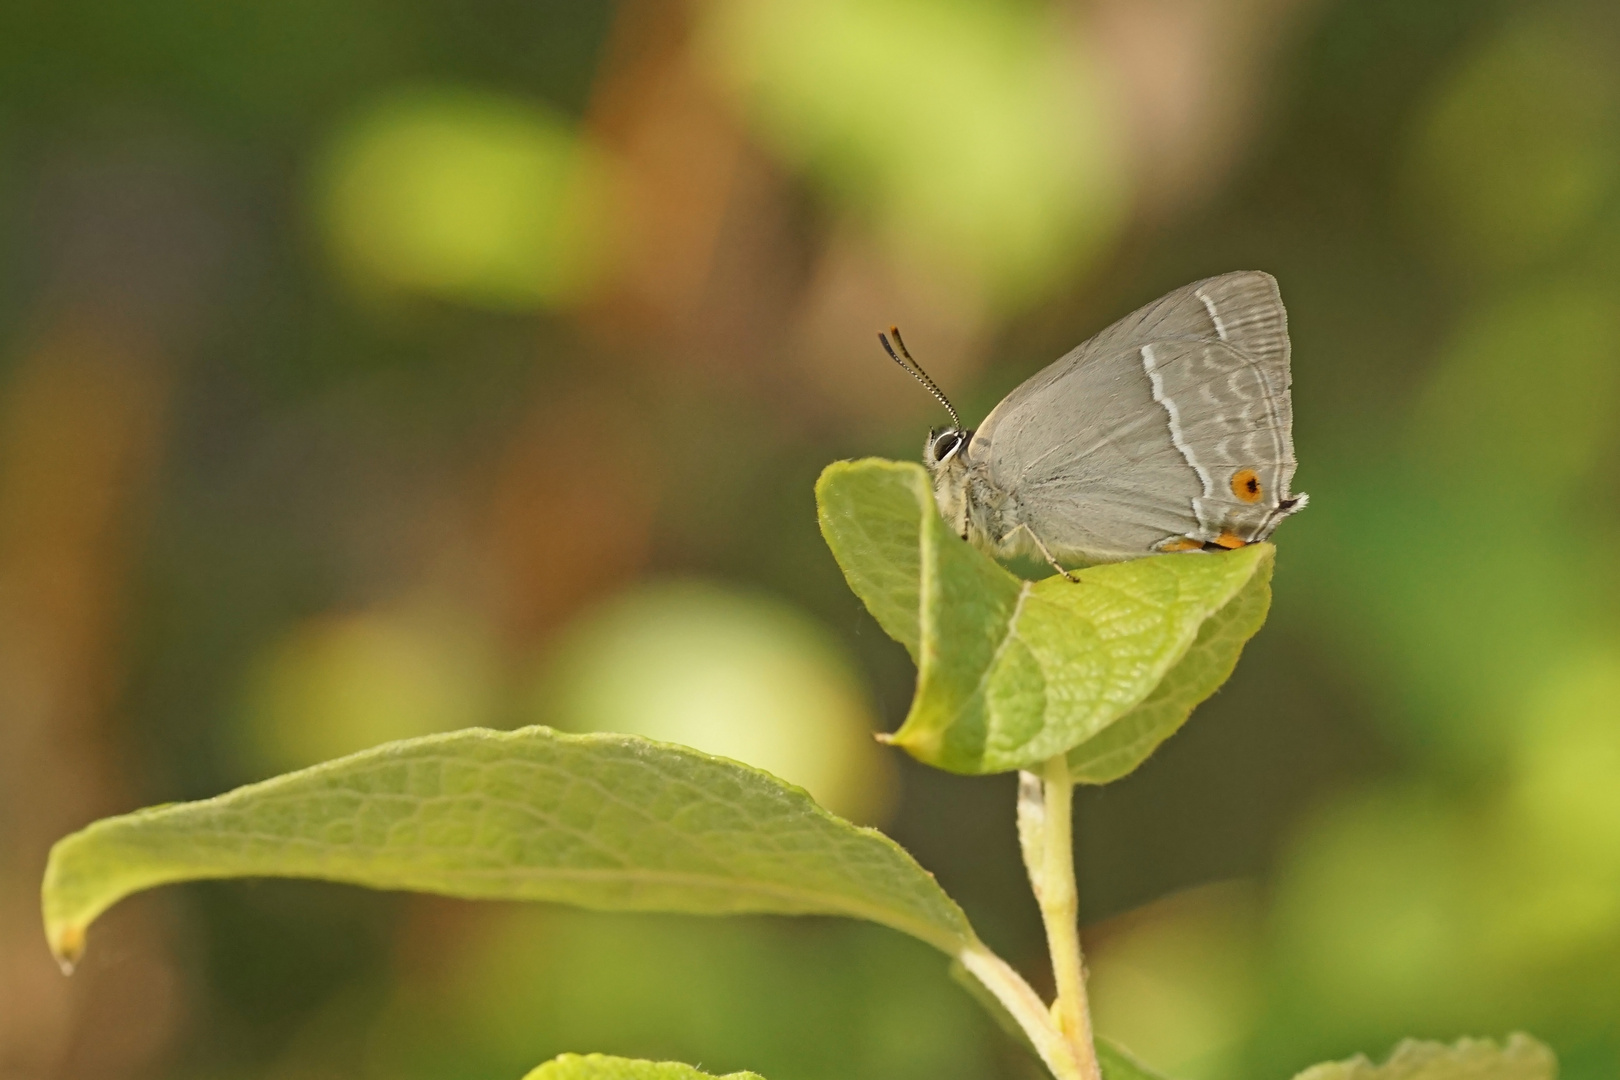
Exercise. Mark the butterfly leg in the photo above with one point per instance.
(1047, 554)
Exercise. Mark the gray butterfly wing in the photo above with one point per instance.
(1173, 422)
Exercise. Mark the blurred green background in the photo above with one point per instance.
(376, 368)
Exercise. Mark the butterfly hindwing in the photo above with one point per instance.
(1174, 421)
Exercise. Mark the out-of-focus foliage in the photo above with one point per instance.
(740, 676)
(1483, 409)
(466, 196)
(1515, 147)
(1182, 978)
(317, 428)
(345, 683)
(532, 981)
(1013, 672)
(1116, 1064)
(975, 136)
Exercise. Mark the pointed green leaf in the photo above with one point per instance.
(1011, 673)
(1521, 1058)
(603, 1067)
(870, 513)
(613, 822)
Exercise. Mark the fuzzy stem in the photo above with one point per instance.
(1046, 808)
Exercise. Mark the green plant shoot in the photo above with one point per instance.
(1012, 672)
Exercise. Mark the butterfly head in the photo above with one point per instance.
(944, 445)
(945, 454)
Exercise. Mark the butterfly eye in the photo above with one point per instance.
(947, 444)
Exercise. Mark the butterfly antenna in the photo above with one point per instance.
(914, 369)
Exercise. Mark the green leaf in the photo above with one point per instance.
(1011, 672)
(1123, 745)
(603, 1067)
(613, 822)
(1118, 1064)
(1521, 1058)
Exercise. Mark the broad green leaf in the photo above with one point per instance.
(870, 512)
(1011, 672)
(1118, 1064)
(603, 1067)
(1123, 745)
(613, 822)
(1521, 1058)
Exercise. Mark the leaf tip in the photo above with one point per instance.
(921, 743)
(67, 945)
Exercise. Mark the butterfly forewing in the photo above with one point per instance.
(1174, 421)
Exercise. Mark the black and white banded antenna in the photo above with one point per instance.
(914, 369)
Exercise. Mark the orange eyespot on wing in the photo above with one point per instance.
(1246, 486)
(1181, 543)
(1230, 540)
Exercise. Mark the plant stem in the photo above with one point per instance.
(1047, 835)
(1026, 1008)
